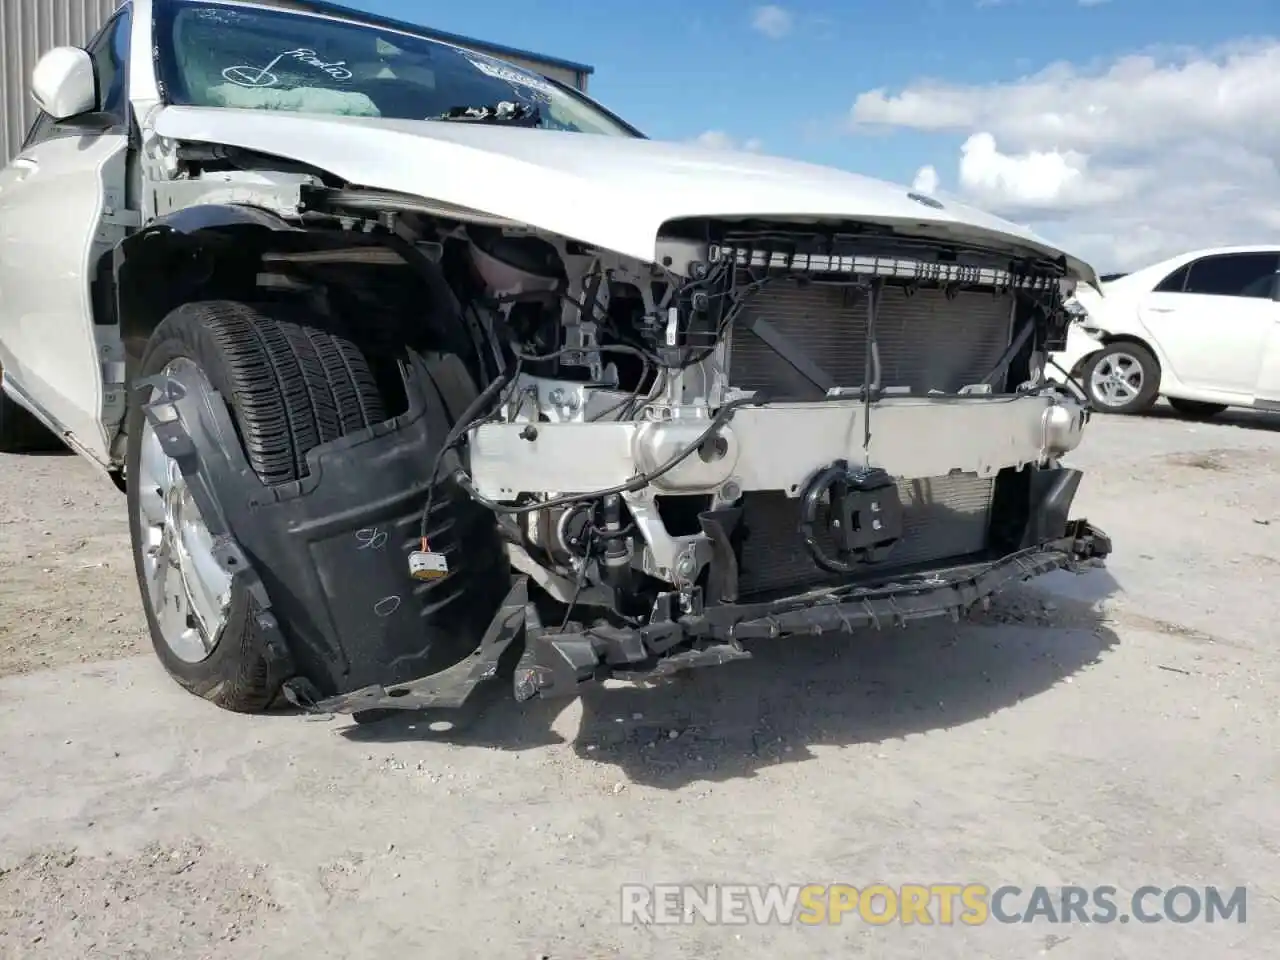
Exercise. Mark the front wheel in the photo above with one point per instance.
(1122, 378)
(290, 387)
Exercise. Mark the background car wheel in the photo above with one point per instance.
(1122, 378)
(1197, 409)
(20, 432)
(291, 387)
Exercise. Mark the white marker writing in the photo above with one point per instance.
(371, 538)
(244, 75)
(337, 69)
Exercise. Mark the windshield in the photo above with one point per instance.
(226, 55)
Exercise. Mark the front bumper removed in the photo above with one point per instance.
(556, 663)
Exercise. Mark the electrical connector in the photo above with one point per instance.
(426, 564)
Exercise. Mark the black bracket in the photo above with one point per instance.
(453, 686)
(863, 516)
(719, 526)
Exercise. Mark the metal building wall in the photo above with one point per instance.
(28, 29)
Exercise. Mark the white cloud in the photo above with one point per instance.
(719, 140)
(1125, 162)
(926, 180)
(773, 21)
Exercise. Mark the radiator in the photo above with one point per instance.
(925, 340)
(943, 517)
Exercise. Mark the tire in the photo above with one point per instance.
(1114, 361)
(1196, 409)
(291, 387)
(20, 432)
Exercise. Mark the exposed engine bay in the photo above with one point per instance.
(755, 396)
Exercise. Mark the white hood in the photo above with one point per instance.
(611, 192)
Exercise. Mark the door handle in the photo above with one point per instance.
(1161, 309)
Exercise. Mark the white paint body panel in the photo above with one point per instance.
(51, 202)
(1209, 343)
(611, 192)
(1214, 349)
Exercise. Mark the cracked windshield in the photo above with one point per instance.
(277, 60)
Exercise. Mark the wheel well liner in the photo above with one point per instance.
(178, 257)
(216, 252)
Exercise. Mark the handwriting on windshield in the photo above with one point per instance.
(245, 75)
(500, 71)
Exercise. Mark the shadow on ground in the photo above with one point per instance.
(1234, 417)
(730, 721)
(44, 452)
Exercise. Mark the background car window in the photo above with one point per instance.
(1175, 281)
(253, 58)
(1234, 275)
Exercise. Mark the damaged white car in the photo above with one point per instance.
(419, 368)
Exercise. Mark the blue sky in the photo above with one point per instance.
(676, 69)
(1125, 131)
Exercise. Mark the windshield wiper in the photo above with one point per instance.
(505, 112)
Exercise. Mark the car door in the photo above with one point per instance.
(1267, 393)
(1212, 320)
(58, 199)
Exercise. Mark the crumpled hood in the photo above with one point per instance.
(612, 192)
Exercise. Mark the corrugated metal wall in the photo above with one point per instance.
(28, 29)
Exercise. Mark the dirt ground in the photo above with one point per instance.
(1117, 728)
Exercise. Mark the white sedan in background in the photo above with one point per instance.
(1201, 329)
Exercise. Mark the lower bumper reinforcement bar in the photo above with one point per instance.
(557, 663)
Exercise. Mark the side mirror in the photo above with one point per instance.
(63, 84)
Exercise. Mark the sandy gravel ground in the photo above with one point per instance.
(1117, 728)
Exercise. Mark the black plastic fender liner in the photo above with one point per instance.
(330, 549)
(452, 687)
(160, 266)
(213, 251)
(206, 216)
